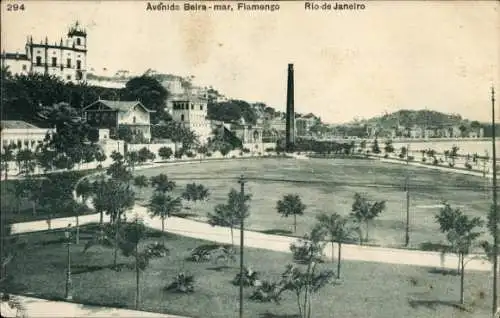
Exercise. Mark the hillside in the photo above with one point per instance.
(423, 118)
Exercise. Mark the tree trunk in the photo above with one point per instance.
(295, 223)
(77, 229)
(332, 252)
(366, 234)
(462, 279)
(163, 229)
(33, 204)
(232, 237)
(115, 262)
(338, 259)
(136, 278)
(459, 263)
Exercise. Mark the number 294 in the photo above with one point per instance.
(15, 7)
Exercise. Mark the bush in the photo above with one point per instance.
(265, 292)
(468, 166)
(435, 162)
(157, 250)
(401, 156)
(250, 277)
(411, 158)
(207, 252)
(241, 153)
(386, 156)
(182, 283)
(190, 154)
(269, 149)
(208, 154)
(246, 150)
(233, 157)
(424, 159)
(450, 164)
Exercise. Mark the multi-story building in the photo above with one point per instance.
(107, 114)
(192, 114)
(66, 59)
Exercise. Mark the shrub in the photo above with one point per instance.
(241, 153)
(157, 250)
(386, 156)
(401, 156)
(468, 166)
(269, 149)
(233, 157)
(435, 162)
(411, 158)
(450, 164)
(207, 252)
(209, 154)
(424, 159)
(266, 291)
(250, 277)
(246, 150)
(182, 283)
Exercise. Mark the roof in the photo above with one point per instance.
(16, 124)
(15, 56)
(122, 106)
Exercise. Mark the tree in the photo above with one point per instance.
(6, 157)
(145, 154)
(141, 181)
(375, 147)
(33, 191)
(389, 148)
(305, 283)
(163, 205)
(132, 159)
(124, 133)
(230, 214)
(364, 212)
(25, 159)
(161, 183)
(149, 91)
(291, 205)
(165, 153)
(176, 132)
(118, 199)
(195, 192)
(336, 227)
(461, 233)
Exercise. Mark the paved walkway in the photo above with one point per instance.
(277, 243)
(36, 307)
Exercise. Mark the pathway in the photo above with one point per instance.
(37, 307)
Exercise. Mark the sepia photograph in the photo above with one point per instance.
(249, 159)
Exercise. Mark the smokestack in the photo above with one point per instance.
(290, 112)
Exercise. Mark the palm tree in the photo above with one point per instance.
(6, 157)
(141, 182)
(291, 205)
(336, 227)
(163, 205)
(364, 212)
(162, 184)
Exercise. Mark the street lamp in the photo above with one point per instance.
(67, 234)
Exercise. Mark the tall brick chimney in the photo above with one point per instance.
(290, 112)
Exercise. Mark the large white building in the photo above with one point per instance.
(22, 135)
(192, 114)
(66, 58)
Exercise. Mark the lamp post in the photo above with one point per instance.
(67, 234)
(242, 182)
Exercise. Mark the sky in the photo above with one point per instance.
(392, 55)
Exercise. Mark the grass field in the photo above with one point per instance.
(328, 185)
(366, 290)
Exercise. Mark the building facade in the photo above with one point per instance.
(106, 114)
(192, 114)
(22, 135)
(66, 58)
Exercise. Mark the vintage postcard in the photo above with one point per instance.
(199, 159)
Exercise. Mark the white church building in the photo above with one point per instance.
(66, 58)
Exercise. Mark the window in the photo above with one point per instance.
(54, 61)
(78, 75)
(201, 107)
(68, 63)
(78, 41)
(68, 77)
(182, 117)
(192, 106)
(38, 61)
(38, 51)
(133, 120)
(24, 67)
(78, 64)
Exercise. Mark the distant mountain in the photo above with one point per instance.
(409, 118)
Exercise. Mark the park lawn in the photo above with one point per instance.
(9, 202)
(366, 289)
(328, 185)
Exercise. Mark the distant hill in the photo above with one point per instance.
(408, 118)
